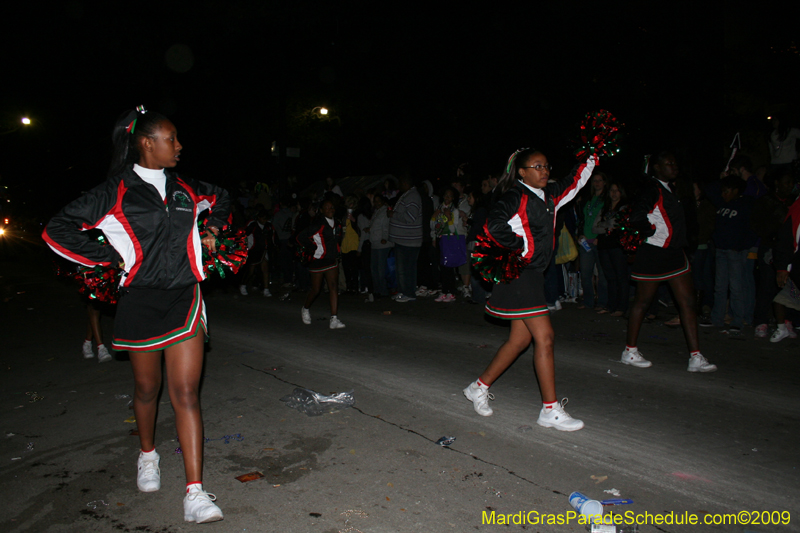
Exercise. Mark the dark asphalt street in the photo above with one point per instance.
(669, 440)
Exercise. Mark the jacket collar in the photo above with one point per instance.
(132, 179)
(539, 193)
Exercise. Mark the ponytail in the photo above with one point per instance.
(517, 159)
(128, 129)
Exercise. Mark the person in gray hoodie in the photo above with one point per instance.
(381, 246)
(405, 231)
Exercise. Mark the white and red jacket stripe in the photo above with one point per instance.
(658, 216)
(786, 254)
(156, 238)
(322, 241)
(524, 218)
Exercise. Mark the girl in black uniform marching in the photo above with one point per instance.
(149, 216)
(323, 238)
(658, 216)
(523, 219)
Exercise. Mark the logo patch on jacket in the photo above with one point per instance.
(182, 201)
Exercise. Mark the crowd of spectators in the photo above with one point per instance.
(413, 241)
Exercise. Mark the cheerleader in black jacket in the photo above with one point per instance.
(658, 216)
(323, 237)
(523, 219)
(149, 215)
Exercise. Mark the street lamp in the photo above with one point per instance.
(11, 127)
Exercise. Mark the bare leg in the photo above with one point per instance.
(645, 292)
(316, 286)
(184, 364)
(248, 275)
(265, 273)
(332, 279)
(780, 313)
(683, 292)
(147, 379)
(93, 326)
(518, 341)
(543, 355)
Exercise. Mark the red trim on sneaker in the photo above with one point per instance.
(630, 348)
(550, 405)
(481, 383)
(692, 354)
(188, 485)
(154, 448)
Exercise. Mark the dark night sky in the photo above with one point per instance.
(416, 89)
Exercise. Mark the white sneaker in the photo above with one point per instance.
(480, 398)
(243, 290)
(102, 354)
(396, 296)
(199, 506)
(87, 350)
(762, 331)
(422, 291)
(559, 307)
(403, 299)
(785, 330)
(336, 323)
(306, 314)
(149, 477)
(698, 363)
(267, 294)
(635, 359)
(558, 418)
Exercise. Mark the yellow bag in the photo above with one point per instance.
(567, 251)
(350, 240)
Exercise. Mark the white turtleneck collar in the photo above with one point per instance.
(155, 177)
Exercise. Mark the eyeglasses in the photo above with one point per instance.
(541, 168)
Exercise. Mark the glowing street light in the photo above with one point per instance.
(26, 121)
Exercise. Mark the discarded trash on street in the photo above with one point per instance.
(605, 528)
(446, 441)
(616, 501)
(252, 476)
(584, 505)
(613, 492)
(227, 438)
(94, 504)
(314, 404)
(34, 397)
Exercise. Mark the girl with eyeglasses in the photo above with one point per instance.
(523, 219)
